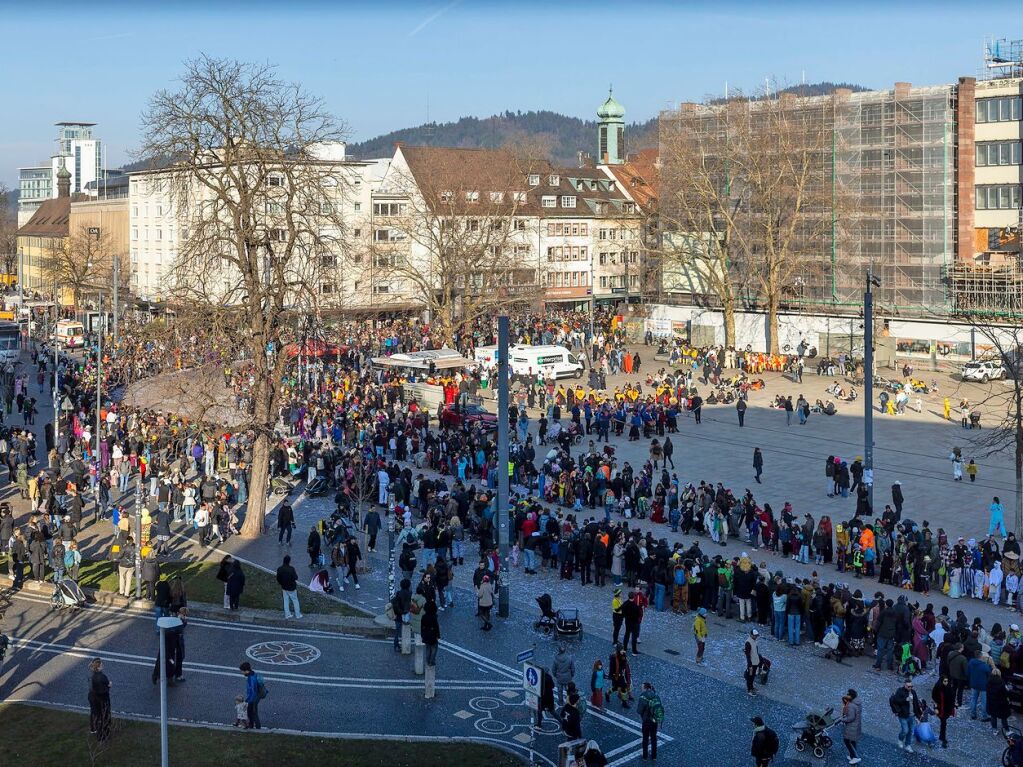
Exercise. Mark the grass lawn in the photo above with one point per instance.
(201, 585)
(42, 737)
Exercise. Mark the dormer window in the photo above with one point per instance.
(519, 196)
(497, 196)
(580, 185)
(549, 201)
(568, 201)
(629, 207)
(446, 196)
(472, 196)
(534, 179)
(553, 180)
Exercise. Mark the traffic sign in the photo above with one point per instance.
(523, 656)
(532, 678)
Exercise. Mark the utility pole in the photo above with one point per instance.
(117, 279)
(138, 535)
(868, 382)
(501, 512)
(99, 380)
(56, 374)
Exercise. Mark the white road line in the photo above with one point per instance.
(626, 747)
(280, 676)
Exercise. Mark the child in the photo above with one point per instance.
(971, 469)
(241, 712)
(700, 632)
(513, 557)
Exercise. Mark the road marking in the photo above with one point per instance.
(463, 714)
(55, 648)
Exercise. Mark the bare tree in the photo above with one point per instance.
(80, 262)
(744, 197)
(700, 217)
(1004, 402)
(258, 195)
(8, 234)
(460, 235)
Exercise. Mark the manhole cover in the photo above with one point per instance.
(283, 653)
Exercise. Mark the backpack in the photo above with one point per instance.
(656, 709)
(261, 691)
(69, 559)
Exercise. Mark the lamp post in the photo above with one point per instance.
(868, 382)
(138, 535)
(501, 512)
(166, 623)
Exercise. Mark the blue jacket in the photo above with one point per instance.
(252, 688)
(977, 672)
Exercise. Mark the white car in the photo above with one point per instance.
(982, 370)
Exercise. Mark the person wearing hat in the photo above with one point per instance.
(765, 743)
(700, 633)
(852, 725)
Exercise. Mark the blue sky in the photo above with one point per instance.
(377, 64)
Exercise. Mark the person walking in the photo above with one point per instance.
(254, 692)
(944, 697)
(235, 585)
(998, 701)
(668, 449)
(765, 743)
(620, 673)
(632, 613)
(997, 523)
(485, 602)
(126, 567)
(740, 410)
(758, 464)
(563, 671)
(313, 546)
(371, 524)
(700, 633)
(285, 524)
(788, 410)
(907, 708)
(429, 631)
(99, 701)
(752, 652)
(571, 717)
(651, 712)
(287, 578)
(852, 725)
(617, 618)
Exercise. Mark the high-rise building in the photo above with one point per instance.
(77, 151)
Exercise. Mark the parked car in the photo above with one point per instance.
(454, 416)
(983, 371)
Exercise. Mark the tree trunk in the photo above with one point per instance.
(728, 310)
(1019, 487)
(255, 511)
(772, 325)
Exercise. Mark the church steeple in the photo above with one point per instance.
(611, 131)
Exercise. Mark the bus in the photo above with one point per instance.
(10, 341)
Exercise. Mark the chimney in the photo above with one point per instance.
(902, 90)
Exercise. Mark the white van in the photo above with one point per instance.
(556, 361)
(70, 334)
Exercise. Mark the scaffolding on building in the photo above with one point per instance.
(1003, 58)
(894, 177)
(987, 289)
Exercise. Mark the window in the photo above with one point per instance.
(472, 225)
(446, 196)
(358, 207)
(494, 251)
(385, 261)
(550, 253)
(518, 196)
(472, 196)
(497, 225)
(583, 229)
(603, 259)
(629, 207)
(568, 201)
(388, 209)
(497, 196)
(274, 208)
(1000, 197)
(387, 235)
(575, 279)
(326, 288)
(520, 224)
(553, 180)
(278, 235)
(522, 251)
(634, 280)
(327, 261)
(999, 110)
(381, 288)
(603, 280)
(549, 201)
(998, 153)
(633, 255)
(534, 179)
(603, 234)
(134, 232)
(356, 233)
(159, 234)
(275, 180)
(159, 210)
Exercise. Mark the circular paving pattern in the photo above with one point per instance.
(283, 653)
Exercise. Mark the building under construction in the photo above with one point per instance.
(925, 193)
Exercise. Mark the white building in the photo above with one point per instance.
(77, 151)
(156, 228)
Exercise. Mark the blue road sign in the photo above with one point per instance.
(523, 656)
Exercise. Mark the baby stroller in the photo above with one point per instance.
(813, 733)
(560, 622)
(281, 486)
(67, 594)
(317, 487)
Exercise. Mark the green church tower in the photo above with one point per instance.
(611, 132)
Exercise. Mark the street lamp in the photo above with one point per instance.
(868, 382)
(166, 623)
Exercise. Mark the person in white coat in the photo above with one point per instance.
(384, 480)
(995, 583)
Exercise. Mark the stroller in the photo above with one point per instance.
(67, 594)
(317, 487)
(813, 733)
(280, 486)
(560, 622)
